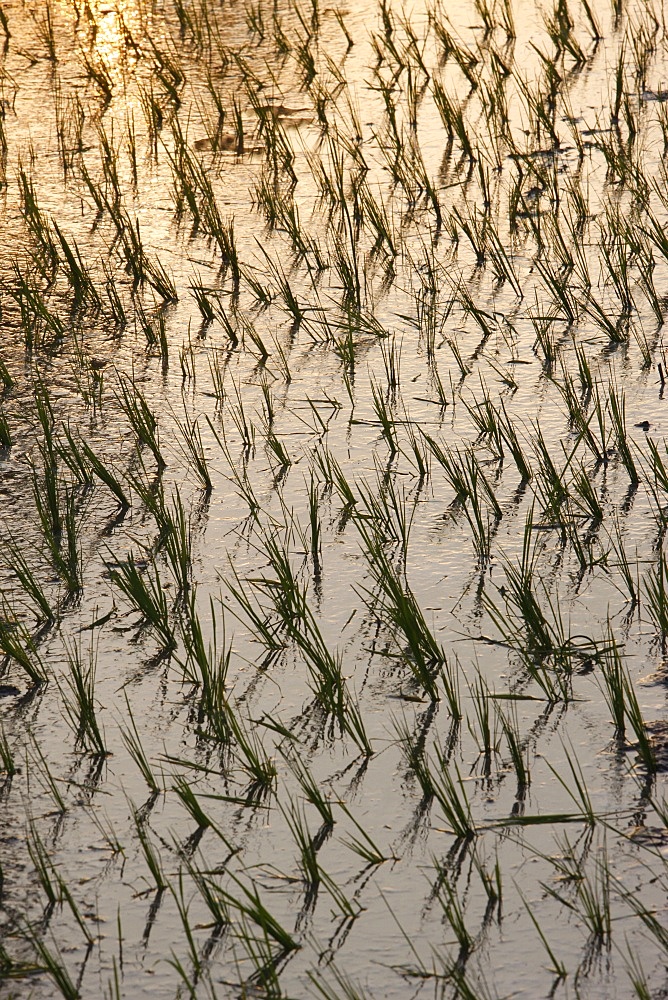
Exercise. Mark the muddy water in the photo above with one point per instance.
(407, 913)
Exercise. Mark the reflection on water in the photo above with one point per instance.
(332, 484)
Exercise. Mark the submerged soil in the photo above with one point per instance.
(334, 492)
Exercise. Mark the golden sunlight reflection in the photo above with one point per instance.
(113, 25)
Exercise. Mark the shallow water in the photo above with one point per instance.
(564, 812)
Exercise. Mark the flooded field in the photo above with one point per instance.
(334, 495)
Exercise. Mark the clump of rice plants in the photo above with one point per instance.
(334, 497)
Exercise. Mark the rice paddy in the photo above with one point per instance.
(334, 485)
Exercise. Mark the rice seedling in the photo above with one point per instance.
(648, 918)
(562, 296)
(241, 480)
(391, 355)
(5, 432)
(557, 968)
(634, 715)
(277, 451)
(7, 761)
(386, 508)
(509, 726)
(98, 72)
(203, 297)
(265, 629)
(343, 986)
(485, 418)
(310, 788)
(250, 905)
(579, 420)
(218, 371)
(314, 522)
(253, 756)
(511, 439)
(584, 370)
(345, 349)
(208, 665)
(47, 491)
(413, 748)
(592, 902)
(524, 624)
(485, 732)
(637, 976)
(234, 324)
(334, 475)
(95, 190)
(143, 421)
(281, 584)
(153, 326)
(78, 692)
(465, 473)
(67, 562)
(451, 796)
(363, 845)
(262, 294)
(244, 426)
(133, 745)
(38, 225)
(145, 593)
(39, 324)
(453, 912)
(52, 882)
(418, 455)
(153, 115)
(78, 275)
(308, 849)
(546, 340)
(29, 582)
(550, 481)
(452, 117)
(143, 268)
(152, 496)
(211, 895)
(328, 682)
(594, 899)
(377, 220)
(17, 644)
(73, 458)
(384, 418)
(582, 489)
(5, 376)
(659, 472)
(109, 836)
(118, 313)
(86, 457)
(46, 777)
(194, 451)
(655, 587)
(492, 882)
(426, 657)
(52, 963)
(191, 803)
(44, 868)
(617, 409)
(629, 573)
(151, 856)
(189, 980)
(580, 794)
